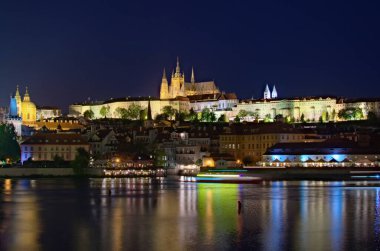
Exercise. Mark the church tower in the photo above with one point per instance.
(177, 83)
(267, 94)
(29, 110)
(274, 92)
(193, 88)
(18, 101)
(164, 92)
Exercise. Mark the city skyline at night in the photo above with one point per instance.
(70, 51)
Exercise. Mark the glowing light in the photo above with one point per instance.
(219, 175)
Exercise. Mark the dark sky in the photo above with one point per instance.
(67, 51)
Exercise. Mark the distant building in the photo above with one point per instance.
(242, 141)
(179, 88)
(220, 161)
(180, 104)
(47, 112)
(330, 153)
(102, 142)
(24, 110)
(45, 146)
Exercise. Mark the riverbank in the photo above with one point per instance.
(314, 173)
(265, 174)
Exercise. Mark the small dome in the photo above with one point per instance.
(29, 112)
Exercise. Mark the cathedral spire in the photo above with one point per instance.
(274, 92)
(267, 94)
(177, 69)
(192, 75)
(164, 75)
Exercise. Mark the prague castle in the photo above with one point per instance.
(179, 88)
(185, 96)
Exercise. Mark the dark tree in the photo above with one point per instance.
(9, 148)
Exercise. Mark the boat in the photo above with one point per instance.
(223, 178)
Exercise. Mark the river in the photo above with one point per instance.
(165, 214)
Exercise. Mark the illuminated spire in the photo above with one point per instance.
(274, 92)
(267, 94)
(192, 75)
(177, 69)
(17, 92)
(26, 96)
(164, 75)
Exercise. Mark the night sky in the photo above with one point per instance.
(67, 51)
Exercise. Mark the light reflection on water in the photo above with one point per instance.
(135, 214)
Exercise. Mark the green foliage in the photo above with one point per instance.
(181, 116)
(169, 111)
(192, 115)
(89, 114)
(268, 118)
(81, 161)
(105, 111)
(9, 148)
(244, 113)
(237, 119)
(133, 112)
(121, 113)
(279, 118)
(351, 114)
(320, 119)
(207, 115)
(144, 114)
(159, 157)
(222, 118)
(302, 118)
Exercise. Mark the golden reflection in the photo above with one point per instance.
(8, 185)
(24, 226)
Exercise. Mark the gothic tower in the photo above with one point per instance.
(177, 82)
(18, 101)
(267, 92)
(274, 92)
(164, 92)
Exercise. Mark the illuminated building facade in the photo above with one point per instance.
(45, 146)
(242, 142)
(329, 153)
(24, 110)
(180, 104)
(179, 88)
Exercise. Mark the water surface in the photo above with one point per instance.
(145, 214)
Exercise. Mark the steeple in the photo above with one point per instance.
(192, 75)
(178, 69)
(17, 92)
(164, 91)
(274, 92)
(164, 75)
(26, 96)
(267, 94)
(18, 101)
(149, 117)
